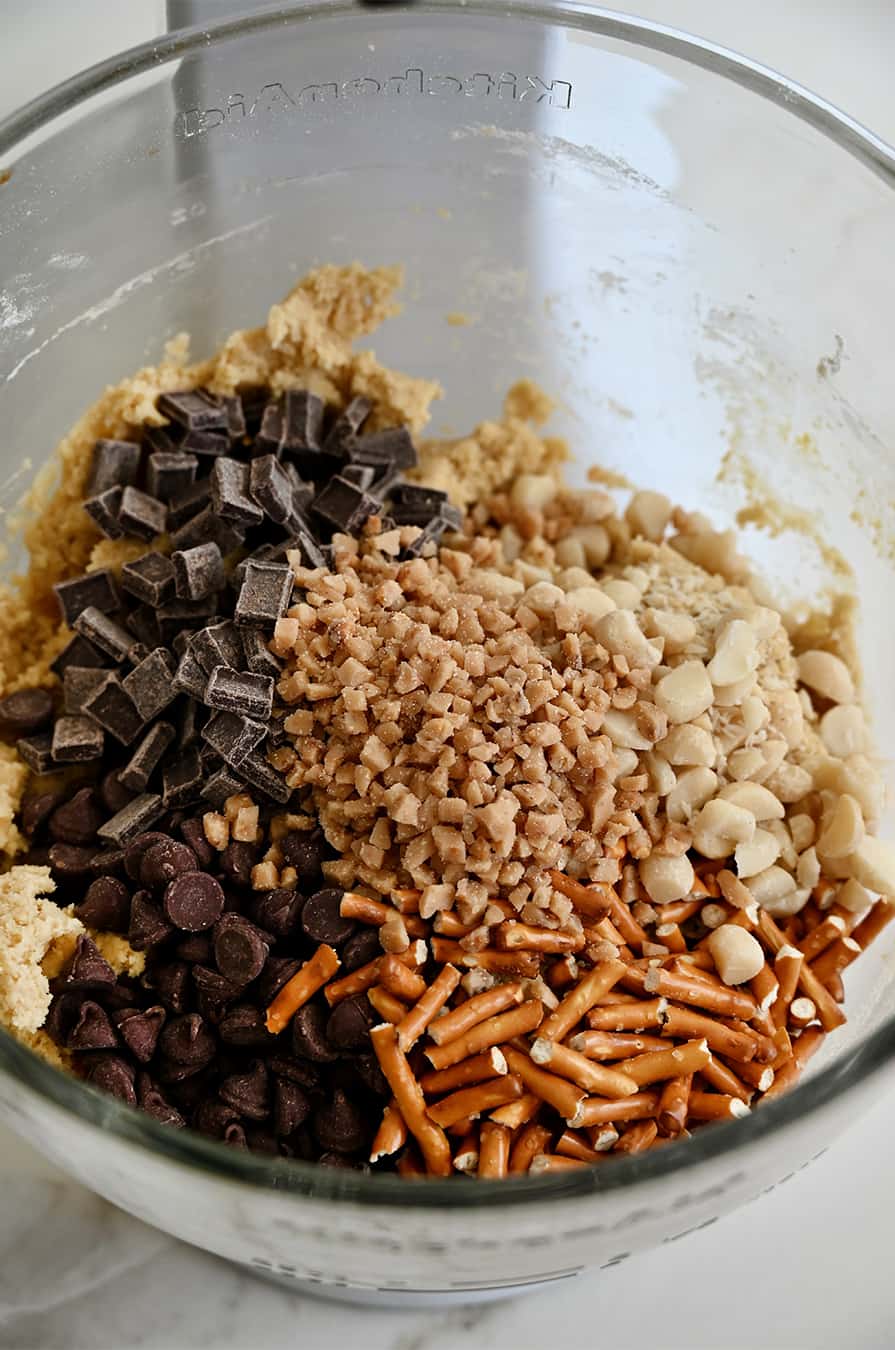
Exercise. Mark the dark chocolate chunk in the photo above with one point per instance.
(269, 439)
(154, 1104)
(95, 590)
(172, 984)
(339, 1125)
(241, 692)
(150, 579)
(141, 516)
(163, 440)
(114, 1075)
(190, 678)
(36, 808)
(191, 718)
(198, 571)
(218, 644)
(106, 905)
(169, 473)
(187, 1040)
(104, 633)
(113, 793)
(78, 652)
(264, 595)
(70, 860)
(112, 707)
(77, 821)
(36, 751)
(181, 616)
(235, 1136)
(305, 850)
(103, 511)
(208, 444)
(257, 655)
(139, 1029)
(278, 911)
(236, 421)
(115, 464)
(346, 426)
(143, 623)
(348, 1027)
(182, 780)
(240, 949)
(189, 502)
(229, 481)
(232, 737)
(150, 684)
(194, 901)
(146, 758)
(430, 534)
(148, 925)
(248, 1093)
(393, 446)
(237, 861)
(302, 420)
(138, 815)
(321, 920)
(92, 1029)
(291, 1106)
(344, 506)
(196, 410)
(76, 740)
(194, 836)
(309, 1035)
(25, 711)
(243, 1026)
(362, 475)
(221, 785)
(79, 684)
(208, 528)
(426, 499)
(256, 770)
(163, 861)
(271, 488)
(88, 970)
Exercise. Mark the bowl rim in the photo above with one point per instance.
(726, 1141)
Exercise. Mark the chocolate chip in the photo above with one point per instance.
(150, 579)
(92, 1029)
(77, 821)
(321, 920)
(236, 862)
(243, 1026)
(349, 1023)
(264, 595)
(112, 1074)
(70, 860)
(94, 589)
(221, 785)
(196, 410)
(103, 511)
(36, 808)
(232, 737)
(154, 1104)
(88, 969)
(240, 692)
(305, 850)
(240, 949)
(105, 906)
(256, 771)
(115, 464)
(137, 847)
(309, 1035)
(164, 860)
(291, 1106)
(194, 836)
(344, 506)
(182, 780)
(361, 949)
(172, 984)
(248, 1093)
(25, 712)
(278, 911)
(276, 973)
(214, 1118)
(215, 991)
(109, 636)
(78, 652)
(339, 1125)
(195, 948)
(139, 1029)
(229, 483)
(198, 571)
(187, 1041)
(107, 862)
(370, 1074)
(206, 527)
(112, 707)
(194, 901)
(206, 444)
(75, 740)
(169, 473)
(235, 1136)
(148, 925)
(218, 645)
(347, 425)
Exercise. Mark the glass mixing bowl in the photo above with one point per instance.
(691, 253)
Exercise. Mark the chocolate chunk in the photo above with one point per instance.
(115, 464)
(240, 692)
(218, 644)
(221, 785)
(237, 861)
(257, 656)
(78, 652)
(105, 633)
(194, 837)
(422, 498)
(344, 506)
(362, 475)
(269, 439)
(36, 808)
(79, 684)
(194, 901)
(88, 970)
(346, 426)
(207, 444)
(92, 1029)
(106, 906)
(248, 1093)
(24, 712)
(208, 528)
(77, 821)
(163, 861)
(182, 780)
(114, 1075)
(236, 421)
(198, 571)
(302, 420)
(70, 860)
(169, 473)
(291, 1106)
(360, 949)
(103, 511)
(187, 504)
(163, 440)
(113, 708)
(278, 911)
(76, 740)
(150, 684)
(243, 1026)
(148, 926)
(305, 850)
(141, 516)
(113, 793)
(187, 1041)
(271, 488)
(232, 737)
(143, 623)
(95, 590)
(190, 678)
(172, 984)
(309, 1035)
(182, 615)
(339, 1125)
(348, 1027)
(240, 949)
(229, 482)
(256, 771)
(321, 920)
(393, 446)
(139, 1029)
(146, 758)
(154, 1104)
(430, 534)
(138, 815)
(190, 721)
(264, 595)
(150, 579)
(196, 410)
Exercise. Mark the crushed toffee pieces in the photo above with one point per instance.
(428, 855)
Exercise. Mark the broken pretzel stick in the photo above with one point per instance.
(512, 936)
(590, 900)
(489, 1064)
(518, 1113)
(595, 1078)
(685, 1024)
(671, 1115)
(613, 1045)
(391, 1135)
(661, 1064)
(545, 1163)
(362, 979)
(374, 912)
(637, 1138)
(525, 964)
(390, 1009)
(695, 989)
(723, 1078)
(474, 1010)
(745, 1076)
(431, 1002)
(828, 1010)
(823, 936)
(410, 1100)
(304, 984)
(466, 1154)
(715, 1106)
(570, 1144)
(494, 1150)
(503, 1027)
(804, 1046)
(557, 1092)
(635, 1016)
(473, 1101)
(596, 1111)
(581, 999)
(836, 959)
(406, 901)
(531, 1141)
(395, 977)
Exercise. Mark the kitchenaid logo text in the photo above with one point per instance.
(278, 98)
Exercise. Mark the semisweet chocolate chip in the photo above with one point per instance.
(232, 737)
(70, 860)
(92, 1029)
(95, 589)
(25, 712)
(309, 1035)
(163, 861)
(291, 1106)
(243, 1026)
(240, 949)
(344, 506)
(361, 949)
(132, 819)
(229, 483)
(194, 836)
(137, 846)
(147, 756)
(248, 1093)
(79, 684)
(370, 1074)
(107, 862)
(198, 571)
(278, 911)
(112, 792)
(115, 464)
(195, 409)
(105, 633)
(236, 862)
(349, 1023)
(264, 595)
(36, 808)
(195, 948)
(240, 692)
(172, 985)
(276, 972)
(112, 1074)
(235, 1136)
(321, 920)
(339, 1125)
(155, 1104)
(169, 472)
(77, 820)
(194, 901)
(148, 926)
(149, 684)
(103, 511)
(214, 1118)
(88, 969)
(187, 1041)
(214, 990)
(182, 779)
(106, 906)
(305, 850)
(139, 1028)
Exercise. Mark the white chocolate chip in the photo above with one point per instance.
(693, 789)
(761, 851)
(844, 830)
(720, 826)
(666, 878)
(843, 731)
(873, 865)
(827, 675)
(790, 782)
(737, 955)
(755, 798)
(771, 886)
(684, 692)
(743, 764)
(736, 653)
(689, 744)
(648, 513)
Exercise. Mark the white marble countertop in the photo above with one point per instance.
(779, 1274)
